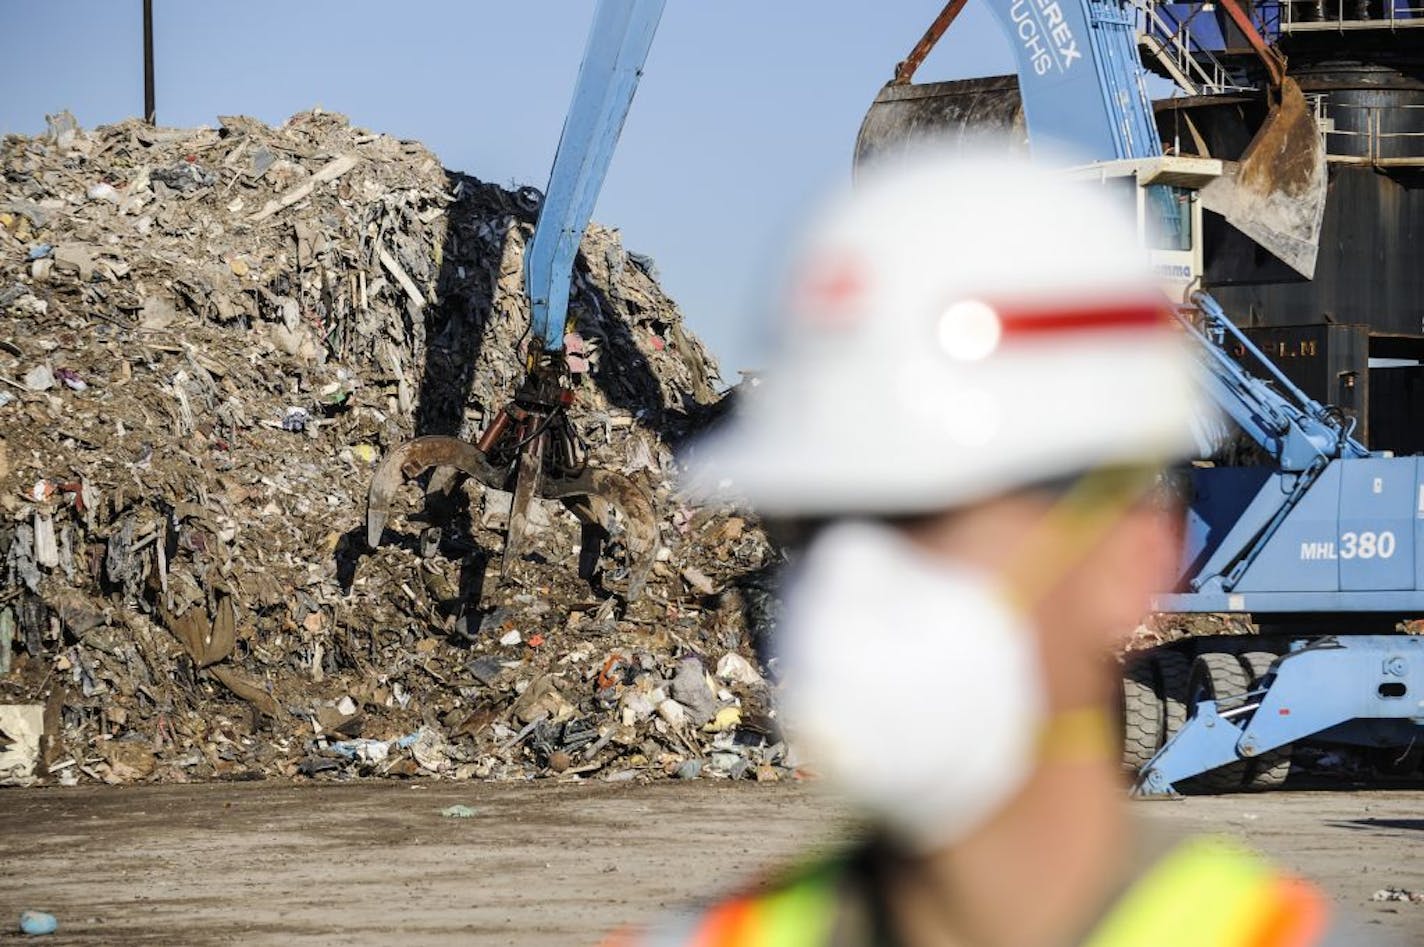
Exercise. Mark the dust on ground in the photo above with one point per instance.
(370, 862)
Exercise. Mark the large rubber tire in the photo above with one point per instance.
(1142, 722)
(1271, 769)
(1174, 681)
(1219, 676)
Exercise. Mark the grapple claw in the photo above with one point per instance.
(618, 508)
(413, 458)
(609, 505)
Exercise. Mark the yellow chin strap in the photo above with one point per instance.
(1076, 523)
(1085, 733)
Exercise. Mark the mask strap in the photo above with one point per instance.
(1077, 522)
(1081, 517)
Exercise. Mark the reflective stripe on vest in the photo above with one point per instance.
(800, 914)
(1207, 892)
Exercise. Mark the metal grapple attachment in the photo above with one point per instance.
(531, 450)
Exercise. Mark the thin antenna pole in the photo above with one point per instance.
(149, 112)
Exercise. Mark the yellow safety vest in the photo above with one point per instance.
(1206, 892)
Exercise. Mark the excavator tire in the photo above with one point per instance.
(1142, 722)
(1174, 677)
(1271, 769)
(1219, 676)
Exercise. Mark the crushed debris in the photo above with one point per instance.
(213, 337)
(1164, 628)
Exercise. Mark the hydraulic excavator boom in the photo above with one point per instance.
(530, 447)
(618, 44)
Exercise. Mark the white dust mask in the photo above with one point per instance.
(909, 683)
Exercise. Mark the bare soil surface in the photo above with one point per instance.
(376, 863)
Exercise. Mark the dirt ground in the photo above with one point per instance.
(376, 863)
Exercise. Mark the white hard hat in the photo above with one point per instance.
(951, 329)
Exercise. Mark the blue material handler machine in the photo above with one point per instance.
(1306, 542)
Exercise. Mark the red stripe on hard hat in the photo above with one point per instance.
(1018, 322)
(830, 292)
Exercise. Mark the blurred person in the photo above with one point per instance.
(977, 387)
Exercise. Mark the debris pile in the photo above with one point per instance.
(1165, 628)
(212, 337)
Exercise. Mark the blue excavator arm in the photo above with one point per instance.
(1080, 76)
(529, 447)
(1295, 430)
(618, 43)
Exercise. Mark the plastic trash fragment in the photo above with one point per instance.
(103, 192)
(71, 379)
(690, 688)
(23, 725)
(295, 419)
(459, 812)
(372, 751)
(576, 353)
(185, 177)
(726, 719)
(735, 669)
(698, 581)
(38, 923)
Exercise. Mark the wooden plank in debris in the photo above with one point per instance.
(402, 277)
(330, 172)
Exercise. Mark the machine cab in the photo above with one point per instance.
(1163, 194)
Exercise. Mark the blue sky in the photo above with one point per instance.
(746, 110)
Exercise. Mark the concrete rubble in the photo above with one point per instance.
(21, 727)
(212, 337)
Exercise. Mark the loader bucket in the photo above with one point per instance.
(906, 116)
(1276, 193)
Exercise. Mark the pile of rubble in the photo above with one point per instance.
(212, 337)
